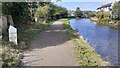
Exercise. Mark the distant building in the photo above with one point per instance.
(71, 13)
(106, 7)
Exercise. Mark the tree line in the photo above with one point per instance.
(23, 12)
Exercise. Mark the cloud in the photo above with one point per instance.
(86, 5)
(89, 5)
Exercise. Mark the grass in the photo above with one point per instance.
(10, 52)
(86, 55)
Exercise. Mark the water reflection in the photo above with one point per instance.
(102, 38)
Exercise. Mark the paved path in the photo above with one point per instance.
(51, 48)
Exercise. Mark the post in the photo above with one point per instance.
(13, 34)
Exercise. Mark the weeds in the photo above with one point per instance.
(10, 55)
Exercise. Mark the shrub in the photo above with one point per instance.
(42, 12)
(105, 20)
(92, 15)
(103, 17)
(117, 25)
(116, 11)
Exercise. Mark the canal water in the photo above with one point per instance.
(102, 38)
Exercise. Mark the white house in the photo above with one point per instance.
(106, 7)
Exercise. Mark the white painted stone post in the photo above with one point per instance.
(13, 34)
(36, 19)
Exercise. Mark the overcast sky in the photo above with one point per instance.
(83, 4)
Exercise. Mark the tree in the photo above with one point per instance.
(63, 12)
(116, 11)
(18, 10)
(42, 12)
(49, 11)
(78, 12)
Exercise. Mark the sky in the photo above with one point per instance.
(84, 5)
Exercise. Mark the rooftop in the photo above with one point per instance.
(104, 6)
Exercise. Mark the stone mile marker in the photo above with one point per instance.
(13, 34)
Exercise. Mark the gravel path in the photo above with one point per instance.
(50, 48)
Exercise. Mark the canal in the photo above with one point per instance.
(103, 39)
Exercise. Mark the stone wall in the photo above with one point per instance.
(3, 23)
(0, 27)
(10, 20)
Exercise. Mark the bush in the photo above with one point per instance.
(92, 15)
(117, 25)
(42, 12)
(103, 17)
(51, 12)
(105, 20)
(18, 10)
(116, 11)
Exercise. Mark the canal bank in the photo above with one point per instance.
(85, 54)
(113, 23)
(103, 39)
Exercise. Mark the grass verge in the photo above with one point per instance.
(86, 55)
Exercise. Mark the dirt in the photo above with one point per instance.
(50, 48)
